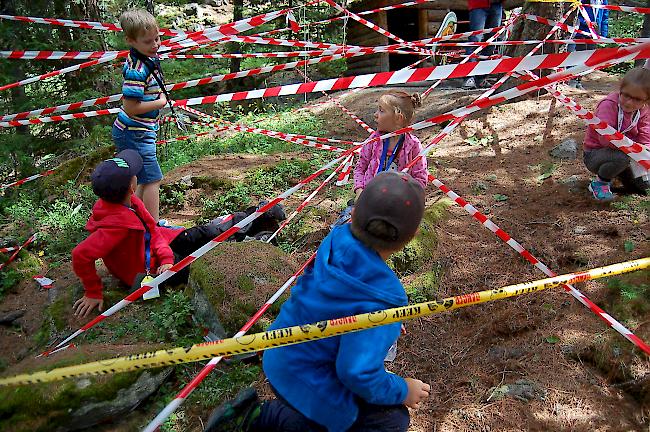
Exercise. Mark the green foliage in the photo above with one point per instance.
(261, 183)
(624, 25)
(9, 278)
(166, 319)
(60, 223)
(425, 286)
(219, 387)
(631, 299)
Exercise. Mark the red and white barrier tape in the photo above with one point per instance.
(549, 41)
(17, 251)
(92, 25)
(352, 115)
(201, 251)
(187, 39)
(595, 60)
(27, 179)
(307, 200)
(344, 176)
(498, 33)
(550, 22)
(590, 24)
(292, 138)
(636, 151)
(8, 249)
(506, 238)
(544, 61)
(19, 119)
(157, 422)
(375, 27)
(55, 55)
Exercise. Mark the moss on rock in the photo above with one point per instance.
(419, 251)
(236, 279)
(77, 168)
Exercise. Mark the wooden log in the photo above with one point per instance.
(368, 39)
(422, 24)
(366, 70)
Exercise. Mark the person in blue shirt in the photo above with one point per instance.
(600, 18)
(340, 383)
(143, 94)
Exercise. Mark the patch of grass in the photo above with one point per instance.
(261, 183)
(630, 295)
(167, 319)
(224, 384)
(9, 278)
(424, 287)
(172, 196)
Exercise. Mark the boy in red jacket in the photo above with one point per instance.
(122, 232)
(125, 236)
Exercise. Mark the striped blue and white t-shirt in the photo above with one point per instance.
(139, 84)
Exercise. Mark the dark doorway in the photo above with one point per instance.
(402, 23)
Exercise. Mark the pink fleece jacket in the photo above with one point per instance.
(607, 111)
(370, 156)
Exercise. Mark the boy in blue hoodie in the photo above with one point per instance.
(340, 383)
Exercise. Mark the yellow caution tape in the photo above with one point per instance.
(319, 330)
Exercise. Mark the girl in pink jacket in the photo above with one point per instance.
(627, 111)
(394, 111)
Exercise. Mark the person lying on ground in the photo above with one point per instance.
(340, 383)
(127, 239)
(627, 111)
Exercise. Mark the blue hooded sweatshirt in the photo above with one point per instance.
(322, 379)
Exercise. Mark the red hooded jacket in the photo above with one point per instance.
(117, 237)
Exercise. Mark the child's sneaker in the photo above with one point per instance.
(601, 190)
(236, 415)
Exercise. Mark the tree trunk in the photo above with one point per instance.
(530, 30)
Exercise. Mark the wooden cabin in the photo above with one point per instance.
(411, 23)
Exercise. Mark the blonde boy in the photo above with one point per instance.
(136, 125)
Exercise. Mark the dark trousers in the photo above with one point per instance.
(278, 416)
(187, 242)
(480, 19)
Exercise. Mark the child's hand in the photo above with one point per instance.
(85, 305)
(417, 390)
(162, 99)
(164, 268)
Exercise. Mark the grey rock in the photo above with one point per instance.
(7, 318)
(567, 149)
(125, 401)
(522, 390)
(580, 229)
(204, 311)
(502, 353)
(186, 180)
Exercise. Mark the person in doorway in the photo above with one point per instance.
(482, 14)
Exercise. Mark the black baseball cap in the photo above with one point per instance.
(112, 178)
(394, 198)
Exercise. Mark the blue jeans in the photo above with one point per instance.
(278, 416)
(144, 142)
(480, 19)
